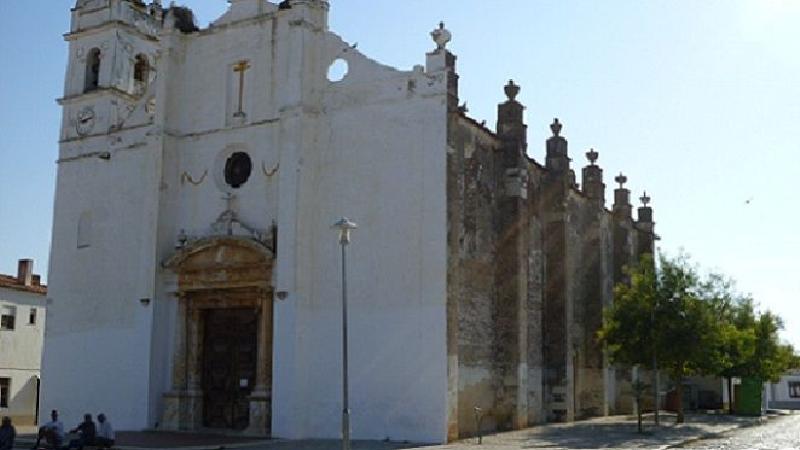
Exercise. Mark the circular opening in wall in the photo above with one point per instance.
(237, 169)
(337, 70)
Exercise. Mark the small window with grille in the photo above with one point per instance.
(5, 391)
(7, 317)
(794, 389)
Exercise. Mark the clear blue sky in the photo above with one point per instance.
(697, 102)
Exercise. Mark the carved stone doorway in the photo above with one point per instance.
(222, 358)
(229, 367)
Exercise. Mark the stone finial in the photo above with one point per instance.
(441, 36)
(512, 90)
(555, 127)
(621, 179)
(592, 156)
(645, 199)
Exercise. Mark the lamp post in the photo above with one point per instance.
(655, 361)
(344, 225)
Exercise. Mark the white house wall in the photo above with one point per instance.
(21, 352)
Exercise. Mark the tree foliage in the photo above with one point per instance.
(692, 325)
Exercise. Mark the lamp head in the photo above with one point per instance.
(344, 225)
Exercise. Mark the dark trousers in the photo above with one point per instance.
(80, 443)
(50, 438)
(103, 442)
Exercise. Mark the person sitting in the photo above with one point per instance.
(52, 432)
(7, 434)
(86, 433)
(105, 433)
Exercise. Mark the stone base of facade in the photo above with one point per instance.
(260, 414)
(183, 410)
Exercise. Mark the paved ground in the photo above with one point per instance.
(606, 433)
(781, 433)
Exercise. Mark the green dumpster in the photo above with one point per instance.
(748, 397)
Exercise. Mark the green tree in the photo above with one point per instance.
(661, 310)
(748, 343)
(735, 318)
(771, 359)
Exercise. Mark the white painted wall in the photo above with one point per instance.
(21, 352)
(779, 392)
(97, 341)
(379, 159)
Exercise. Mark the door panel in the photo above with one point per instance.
(229, 367)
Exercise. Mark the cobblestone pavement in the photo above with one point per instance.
(781, 433)
(607, 433)
(725, 433)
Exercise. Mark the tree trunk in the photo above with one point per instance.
(679, 391)
(730, 395)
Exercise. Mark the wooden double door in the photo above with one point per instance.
(230, 345)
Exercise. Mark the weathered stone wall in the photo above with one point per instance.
(533, 260)
(472, 187)
(535, 298)
(587, 265)
(624, 237)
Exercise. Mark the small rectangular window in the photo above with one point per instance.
(5, 388)
(7, 315)
(794, 389)
(32, 317)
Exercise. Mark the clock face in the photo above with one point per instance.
(84, 122)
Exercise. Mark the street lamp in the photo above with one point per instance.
(344, 225)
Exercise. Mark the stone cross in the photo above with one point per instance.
(240, 68)
(229, 214)
(621, 179)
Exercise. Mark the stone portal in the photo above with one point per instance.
(222, 359)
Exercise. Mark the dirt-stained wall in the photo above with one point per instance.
(471, 189)
(532, 260)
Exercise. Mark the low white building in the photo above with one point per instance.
(785, 394)
(22, 307)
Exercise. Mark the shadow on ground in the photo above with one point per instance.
(612, 435)
(595, 434)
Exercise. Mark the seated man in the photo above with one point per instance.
(7, 434)
(52, 432)
(86, 433)
(105, 434)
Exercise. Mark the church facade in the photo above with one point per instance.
(195, 280)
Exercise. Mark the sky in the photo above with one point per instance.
(698, 103)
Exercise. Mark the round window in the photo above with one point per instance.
(237, 169)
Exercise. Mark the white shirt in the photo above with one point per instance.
(57, 426)
(105, 430)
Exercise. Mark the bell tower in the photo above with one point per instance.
(111, 66)
(105, 211)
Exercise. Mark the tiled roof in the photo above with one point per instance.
(7, 281)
